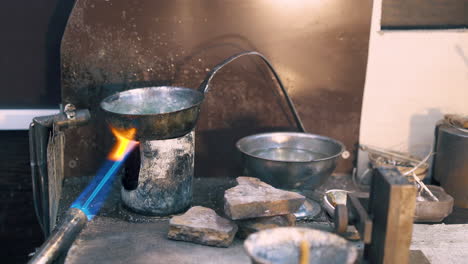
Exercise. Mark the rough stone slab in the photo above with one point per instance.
(249, 226)
(202, 225)
(252, 198)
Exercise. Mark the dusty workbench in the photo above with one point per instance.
(116, 235)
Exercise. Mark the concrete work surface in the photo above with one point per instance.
(442, 244)
(109, 240)
(118, 236)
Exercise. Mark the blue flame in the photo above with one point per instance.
(95, 194)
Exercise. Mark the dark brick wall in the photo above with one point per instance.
(19, 231)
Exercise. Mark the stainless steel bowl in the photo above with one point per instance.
(290, 160)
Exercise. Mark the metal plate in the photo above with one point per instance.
(319, 48)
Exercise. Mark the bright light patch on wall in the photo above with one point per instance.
(19, 119)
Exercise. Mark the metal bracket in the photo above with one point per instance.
(39, 135)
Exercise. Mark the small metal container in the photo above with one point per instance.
(281, 245)
(340, 197)
(290, 160)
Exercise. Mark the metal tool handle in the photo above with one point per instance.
(205, 85)
(61, 239)
(39, 132)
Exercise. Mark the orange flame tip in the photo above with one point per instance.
(124, 144)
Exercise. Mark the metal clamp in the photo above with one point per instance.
(70, 111)
(39, 132)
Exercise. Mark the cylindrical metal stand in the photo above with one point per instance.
(451, 162)
(165, 178)
(62, 237)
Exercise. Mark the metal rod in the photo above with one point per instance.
(35, 176)
(41, 138)
(381, 151)
(204, 86)
(61, 239)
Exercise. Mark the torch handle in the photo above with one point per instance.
(62, 237)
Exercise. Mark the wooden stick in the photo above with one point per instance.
(424, 187)
(304, 252)
(387, 153)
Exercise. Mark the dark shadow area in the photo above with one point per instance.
(220, 157)
(30, 62)
(418, 123)
(56, 28)
(463, 56)
(19, 230)
(458, 216)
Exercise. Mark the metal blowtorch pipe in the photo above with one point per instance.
(61, 238)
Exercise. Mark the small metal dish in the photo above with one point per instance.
(340, 198)
(281, 246)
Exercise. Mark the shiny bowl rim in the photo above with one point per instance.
(301, 134)
(141, 89)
